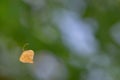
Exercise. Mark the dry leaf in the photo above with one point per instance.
(27, 56)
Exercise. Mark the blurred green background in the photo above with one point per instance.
(72, 39)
